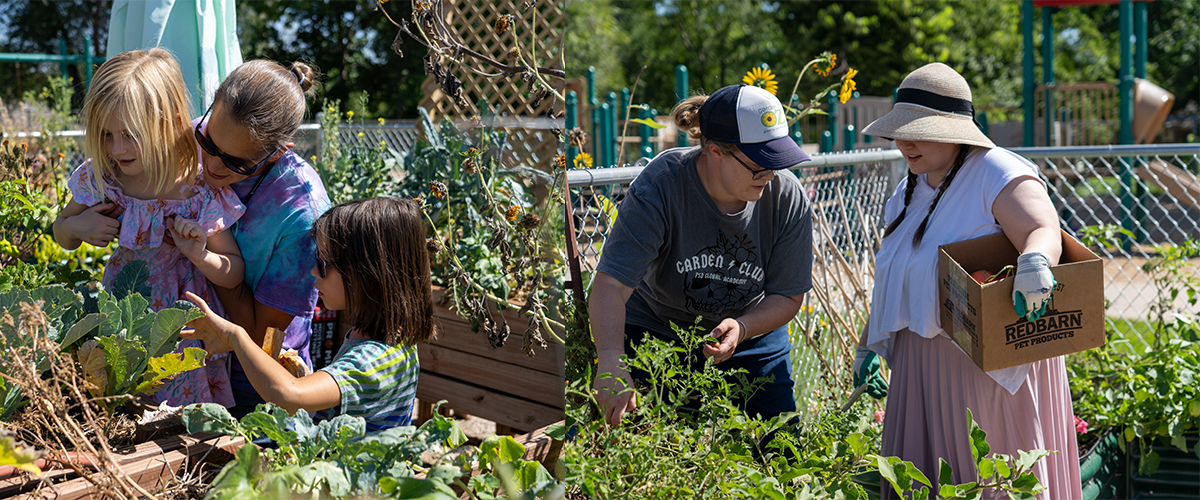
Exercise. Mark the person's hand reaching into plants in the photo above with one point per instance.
(866, 371)
(1032, 285)
(729, 334)
(614, 393)
(217, 333)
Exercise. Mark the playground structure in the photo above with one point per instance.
(63, 59)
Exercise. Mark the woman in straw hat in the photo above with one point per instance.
(721, 231)
(961, 186)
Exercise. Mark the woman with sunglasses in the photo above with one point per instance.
(721, 231)
(245, 143)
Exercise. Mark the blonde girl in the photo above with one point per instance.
(142, 182)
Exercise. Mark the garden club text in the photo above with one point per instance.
(718, 261)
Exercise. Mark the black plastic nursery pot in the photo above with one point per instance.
(1178, 474)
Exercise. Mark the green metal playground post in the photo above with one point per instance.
(1048, 69)
(831, 120)
(613, 116)
(654, 133)
(1128, 180)
(644, 133)
(1028, 87)
(681, 93)
(601, 141)
(572, 119)
(1139, 27)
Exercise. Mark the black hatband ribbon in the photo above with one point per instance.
(939, 102)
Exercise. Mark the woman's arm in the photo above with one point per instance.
(270, 379)
(217, 256)
(606, 309)
(78, 223)
(1028, 218)
(773, 312)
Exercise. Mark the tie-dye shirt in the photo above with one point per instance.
(274, 235)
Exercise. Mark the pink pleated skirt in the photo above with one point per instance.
(932, 385)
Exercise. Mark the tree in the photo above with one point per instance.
(718, 41)
(38, 26)
(350, 42)
(592, 39)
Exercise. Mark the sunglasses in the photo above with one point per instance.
(233, 163)
(323, 267)
(756, 174)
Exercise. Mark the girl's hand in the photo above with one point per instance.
(217, 333)
(189, 238)
(97, 225)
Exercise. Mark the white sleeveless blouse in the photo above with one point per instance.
(905, 293)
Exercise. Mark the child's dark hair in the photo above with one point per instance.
(378, 246)
(961, 158)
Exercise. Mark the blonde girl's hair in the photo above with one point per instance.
(145, 90)
(268, 99)
(686, 116)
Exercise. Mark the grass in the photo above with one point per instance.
(1110, 185)
(1130, 335)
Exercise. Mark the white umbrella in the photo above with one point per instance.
(201, 33)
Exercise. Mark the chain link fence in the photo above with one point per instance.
(1151, 190)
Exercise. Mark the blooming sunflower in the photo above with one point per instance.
(762, 77)
(832, 61)
(583, 160)
(848, 85)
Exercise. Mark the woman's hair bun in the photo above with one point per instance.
(305, 76)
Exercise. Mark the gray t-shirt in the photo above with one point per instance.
(685, 258)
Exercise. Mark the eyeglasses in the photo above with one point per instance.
(757, 174)
(233, 163)
(323, 267)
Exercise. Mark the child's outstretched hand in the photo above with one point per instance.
(190, 238)
(217, 333)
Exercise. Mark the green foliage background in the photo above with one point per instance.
(720, 40)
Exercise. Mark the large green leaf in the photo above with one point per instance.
(163, 336)
(210, 417)
(415, 489)
(85, 325)
(133, 278)
(501, 449)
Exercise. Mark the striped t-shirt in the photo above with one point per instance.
(378, 382)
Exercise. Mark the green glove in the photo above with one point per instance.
(866, 371)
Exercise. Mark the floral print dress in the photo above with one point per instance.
(143, 224)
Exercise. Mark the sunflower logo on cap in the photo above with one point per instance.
(770, 118)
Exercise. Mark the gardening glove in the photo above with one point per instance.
(1032, 285)
(866, 371)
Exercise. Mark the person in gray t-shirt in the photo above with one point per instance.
(721, 231)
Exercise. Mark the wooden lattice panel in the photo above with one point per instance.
(474, 23)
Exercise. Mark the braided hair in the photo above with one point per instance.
(963, 149)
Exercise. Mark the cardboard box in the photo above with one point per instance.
(981, 320)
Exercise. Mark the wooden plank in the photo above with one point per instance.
(500, 408)
(456, 334)
(540, 447)
(502, 377)
(149, 464)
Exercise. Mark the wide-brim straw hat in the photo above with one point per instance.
(932, 105)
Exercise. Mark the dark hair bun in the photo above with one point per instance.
(305, 75)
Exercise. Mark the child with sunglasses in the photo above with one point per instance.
(372, 264)
(142, 183)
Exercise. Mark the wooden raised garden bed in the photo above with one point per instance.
(502, 385)
(150, 464)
